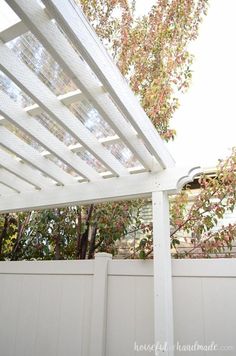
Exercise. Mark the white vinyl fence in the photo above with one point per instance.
(104, 307)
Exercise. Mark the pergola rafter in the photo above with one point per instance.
(22, 171)
(73, 22)
(14, 183)
(92, 143)
(39, 133)
(32, 156)
(30, 84)
(46, 31)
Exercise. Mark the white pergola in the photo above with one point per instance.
(84, 141)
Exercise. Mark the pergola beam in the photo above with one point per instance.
(117, 188)
(46, 31)
(6, 190)
(67, 99)
(79, 31)
(34, 129)
(39, 92)
(33, 157)
(163, 303)
(23, 171)
(13, 31)
(12, 181)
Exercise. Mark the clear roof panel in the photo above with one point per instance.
(91, 161)
(24, 137)
(31, 52)
(123, 154)
(63, 166)
(89, 116)
(35, 56)
(56, 129)
(19, 159)
(27, 139)
(14, 92)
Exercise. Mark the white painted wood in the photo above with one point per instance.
(23, 171)
(99, 305)
(7, 190)
(14, 182)
(78, 29)
(46, 31)
(163, 303)
(13, 31)
(111, 139)
(42, 95)
(34, 110)
(32, 127)
(117, 188)
(67, 99)
(32, 156)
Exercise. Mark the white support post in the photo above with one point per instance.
(163, 303)
(99, 305)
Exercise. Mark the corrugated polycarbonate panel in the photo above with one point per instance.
(56, 129)
(14, 92)
(18, 159)
(35, 56)
(123, 154)
(27, 139)
(89, 116)
(62, 165)
(24, 137)
(30, 51)
(92, 161)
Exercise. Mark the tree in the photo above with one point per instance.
(152, 53)
(217, 196)
(202, 221)
(152, 50)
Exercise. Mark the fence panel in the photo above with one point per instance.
(105, 307)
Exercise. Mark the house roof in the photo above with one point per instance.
(71, 130)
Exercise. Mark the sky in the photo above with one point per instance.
(206, 120)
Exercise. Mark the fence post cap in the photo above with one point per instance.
(103, 255)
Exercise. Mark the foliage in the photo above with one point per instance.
(217, 196)
(201, 223)
(67, 233)
(152, 52)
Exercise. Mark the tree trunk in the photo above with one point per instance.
(3, 233)
(78, 242)
(84, 237)
(92, 243)
(20, 232)
(57, 247)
